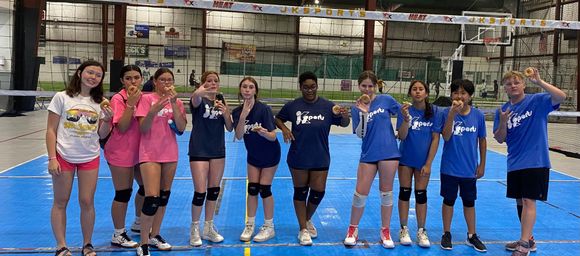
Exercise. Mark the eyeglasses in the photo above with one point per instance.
(165, 81)
(310, 89)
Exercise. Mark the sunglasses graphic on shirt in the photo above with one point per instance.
(74, 115)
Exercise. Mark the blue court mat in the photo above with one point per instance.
(27, 199)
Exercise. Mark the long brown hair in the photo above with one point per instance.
(74, 86)
(428, 106)
(251, 79)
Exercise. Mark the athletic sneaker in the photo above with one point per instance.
(446, 241)
(143, 250)
(386, 240)
(523, 249)
(404, 237)
(136, 226)
(311, 229)
(246, 235)
(266, 233)
(210, 233)
(513, 245)
(159, 243)
(351, 236)
(304, 237)
(422, 238)
(123, 240)
(474, 242)
(194, 238)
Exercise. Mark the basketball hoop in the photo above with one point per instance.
(491, 43)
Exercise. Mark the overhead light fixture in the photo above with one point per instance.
(316, 1)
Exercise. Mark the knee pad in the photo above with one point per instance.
(198, 198)
(387, 198)
(164, 197)
(404, 194)
(150, 205)
(213, 193)
(141, 190)
(421, 196)
(123, 196)
(359, 200)
(315, 197)
(253, 188)
(265, 191)
(468, 203)
(449, 201)
(300, 193)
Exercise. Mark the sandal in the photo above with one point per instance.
(89, 250)
(63, 251)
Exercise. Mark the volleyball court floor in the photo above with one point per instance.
(26, 200)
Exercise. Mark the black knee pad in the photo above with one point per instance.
(468, 203)
(123, 196)
(141, 190)
(404, 194)
(150, 205)
(164, 197)
(421, 196)
(265, 191)
(315, 197)
(198, 199)
(300, 193)
(449, 201)
(213, 193)
(253, 188)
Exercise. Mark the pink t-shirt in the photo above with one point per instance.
(122, 149)
(159, 143)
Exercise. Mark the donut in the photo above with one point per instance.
(406, 103)
(529, 72)
(132, 90)
(365, 99)
(256, 128)
(336, 109)
(105, 103)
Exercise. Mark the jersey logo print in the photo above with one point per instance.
(249, 127)
(416, 124)
(459, 128)
(516, 119)
(211, 113)
(374, 112)
(304, 118)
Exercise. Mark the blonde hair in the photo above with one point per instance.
(512, 74)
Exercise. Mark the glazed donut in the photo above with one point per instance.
(365, 99)
(529, 72)
(256, 128)
(132, 90)
(336, 109)
(406, 103)
(105, 103)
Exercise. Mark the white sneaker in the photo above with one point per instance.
(422, 238)
(311, 229)
(351, 236)
(247, 233)
(404, 236)
(159, 243)
(194, 238)
(266, 233)
(123, 240)
(143, 250)
(386, 240)
(210, 233)
(136, 226)
(304, 237)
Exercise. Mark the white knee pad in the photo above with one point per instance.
(359, 200)
(387, 198)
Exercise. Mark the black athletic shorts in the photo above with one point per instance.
(529, 183)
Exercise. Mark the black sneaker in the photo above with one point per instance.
(446, 241)
(474, 242)
(143, 250)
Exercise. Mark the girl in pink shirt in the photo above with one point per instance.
(122, 152)
(158, 154)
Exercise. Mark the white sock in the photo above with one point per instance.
(119, 231)
(251, 220)
(269, 222)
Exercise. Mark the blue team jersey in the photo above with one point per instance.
(415, 147)
(527, 132)
(262, 153)
(207, 134)
(460, 152)
(310, 126)
(379, 142)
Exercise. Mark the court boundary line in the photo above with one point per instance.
(23, 163)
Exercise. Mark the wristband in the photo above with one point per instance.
(51, 158)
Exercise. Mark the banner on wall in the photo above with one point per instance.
(346, 85)
(233, 52)
(172, 33)
(169, 64)
(180, 51)
(137, 50)
(138, 31)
